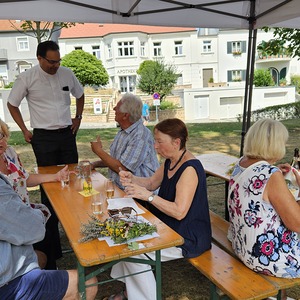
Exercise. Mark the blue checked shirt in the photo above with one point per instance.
(134, 148)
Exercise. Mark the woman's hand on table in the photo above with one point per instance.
(135, 191)
(63, 173)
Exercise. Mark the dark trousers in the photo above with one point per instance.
(53, 147)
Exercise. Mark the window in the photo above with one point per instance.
(78, 48)
(24, 68)
(127, 83)
(206, 46)
(125, 49)
(157, 49)
(109, 50)
(96, 51)
(178, 48)
(22, 44)
(142, 49)
(3, 75)
(236, 47)
(236, 75)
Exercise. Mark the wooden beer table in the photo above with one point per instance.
(73, 209)
(218, 165)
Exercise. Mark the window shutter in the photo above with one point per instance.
(282, 73)
(243, 75)
(229, 47)
(229, 76)
(244, 44)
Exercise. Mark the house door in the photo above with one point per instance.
(200, 107)
(206, 75)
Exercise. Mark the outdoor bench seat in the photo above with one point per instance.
(230, 276)
(219, 228)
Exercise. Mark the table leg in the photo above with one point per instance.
(81, 281)
(158, 274)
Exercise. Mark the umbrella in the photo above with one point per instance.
(240, 14)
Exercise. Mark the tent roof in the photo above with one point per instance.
(185, 13)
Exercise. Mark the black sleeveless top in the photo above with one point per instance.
(195, 227)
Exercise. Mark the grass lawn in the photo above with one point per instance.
(181, 281)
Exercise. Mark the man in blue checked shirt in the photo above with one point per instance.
(133, 147)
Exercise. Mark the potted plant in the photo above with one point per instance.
(282, 82)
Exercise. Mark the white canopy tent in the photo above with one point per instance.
(240, 14)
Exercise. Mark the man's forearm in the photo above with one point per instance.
(16, 114)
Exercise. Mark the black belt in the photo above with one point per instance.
(53, 130)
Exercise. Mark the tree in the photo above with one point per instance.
(42, 31)
(287, 37)
(263, 77)
(156, 77)
(87, 68)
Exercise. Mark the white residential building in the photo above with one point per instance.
(200, 56)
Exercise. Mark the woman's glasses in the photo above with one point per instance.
(123, 212)
(2, 135)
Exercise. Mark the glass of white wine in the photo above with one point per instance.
(109, 188)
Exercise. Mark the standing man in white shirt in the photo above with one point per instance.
(47, 88)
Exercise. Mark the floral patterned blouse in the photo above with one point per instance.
(259, 237)
(17, 177)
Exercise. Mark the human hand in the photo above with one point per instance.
(96, 145)
(27, 136)
(63, 173)
(297, 175)
(284, 168)
(135, 191)
(125, 177)
(75, 125)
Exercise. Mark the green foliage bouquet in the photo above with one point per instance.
(120, 230)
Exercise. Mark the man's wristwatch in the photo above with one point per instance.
(78, 117)
(151, 198)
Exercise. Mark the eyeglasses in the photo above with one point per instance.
(2, 135)
(123, 212)
(52, 62)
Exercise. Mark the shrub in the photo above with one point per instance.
(164, 105)
(295, 80)
(9, 86)
(278, 112)
(263, 77)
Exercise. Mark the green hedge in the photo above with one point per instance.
(278, 112)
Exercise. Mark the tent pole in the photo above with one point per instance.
(251, 79)
(249, 56)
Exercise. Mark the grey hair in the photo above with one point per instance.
(132, 105)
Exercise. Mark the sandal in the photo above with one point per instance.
(119, 296)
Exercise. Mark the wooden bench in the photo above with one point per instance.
(231, 276)
(219, 235)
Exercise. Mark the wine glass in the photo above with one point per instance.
(109, 188)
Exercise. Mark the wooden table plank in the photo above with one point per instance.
(73, 209)
(217, 165)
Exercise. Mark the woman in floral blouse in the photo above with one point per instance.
(20, 179)
(264, 215)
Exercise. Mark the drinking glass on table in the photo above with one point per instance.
(109, 188)
(97, 204)
(65, 179)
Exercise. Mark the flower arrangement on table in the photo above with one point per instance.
(120, 230)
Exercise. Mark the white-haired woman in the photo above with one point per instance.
(264, 215)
